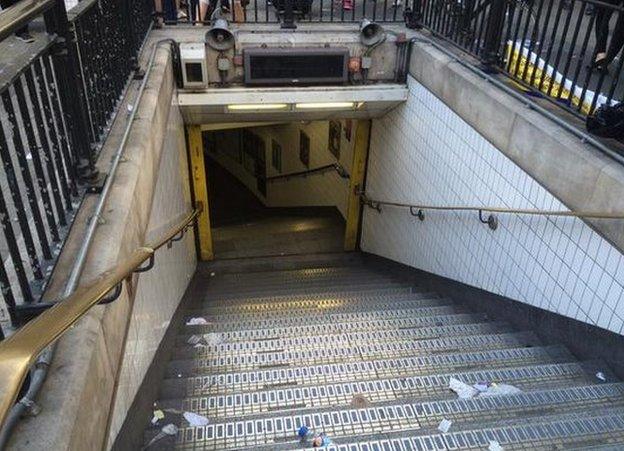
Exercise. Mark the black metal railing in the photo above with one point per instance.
(567, 51)
(334, 167)
(58, 96)
(286, 11)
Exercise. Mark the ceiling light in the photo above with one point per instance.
(258, 106)
(324, 105)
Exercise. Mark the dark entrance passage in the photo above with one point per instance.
(243, 227)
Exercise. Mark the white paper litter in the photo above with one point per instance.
(500, 390)
(600, 375)
(444, 425)
(197, 322)
(213, 339)
(484, 389)
(212, 274)
(170, 429)
(210, 339)
(194, 339)
(195, 419)
(463, 390)
(495, 446)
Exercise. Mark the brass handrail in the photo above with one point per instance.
(20, 350)
(376, 204)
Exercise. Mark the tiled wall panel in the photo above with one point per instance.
(424, 153)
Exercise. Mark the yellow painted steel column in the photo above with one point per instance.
(356, 182)
(200, 189)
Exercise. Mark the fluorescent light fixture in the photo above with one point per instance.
(324, 105)
(257, 106)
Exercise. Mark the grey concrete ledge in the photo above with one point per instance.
(579, 175)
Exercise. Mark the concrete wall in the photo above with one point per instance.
(160, 290)
(425, 153)
(322, 189)
(95, 367)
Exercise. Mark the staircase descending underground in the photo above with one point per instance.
(349, 348)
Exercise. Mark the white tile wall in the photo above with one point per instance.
(160, 290)
(424, 153)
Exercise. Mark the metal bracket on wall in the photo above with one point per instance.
(419, 213)
(491, 221)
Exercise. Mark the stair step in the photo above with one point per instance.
(572, 431)
(310, 336)
(386, 389)
(391, 349)
(310, 272)
(287, 311)
(301, 288)
(234, 286)
(349, 322)
(321, 373)
(406, 416)
(327, 300)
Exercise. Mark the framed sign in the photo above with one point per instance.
(276, 155)
(304, 149)
(335, 129)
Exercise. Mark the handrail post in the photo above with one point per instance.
(66, 68)
(490, 52)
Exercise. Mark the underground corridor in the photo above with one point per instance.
(280, 189)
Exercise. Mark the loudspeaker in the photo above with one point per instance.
(219, 37)
(370, 33)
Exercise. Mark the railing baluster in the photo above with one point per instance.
(69, 164)
(7, 293)
(36, 159)
(44, 141)
(29, 186)
(16, 197)
(11, 241)
(55, 155)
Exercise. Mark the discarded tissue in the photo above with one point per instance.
(463, 390)
(195, 419)
(210, 339)
(495, 446)
(197, 322)
(483, 389)
(444, 425)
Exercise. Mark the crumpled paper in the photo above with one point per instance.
(484, 389)
(195, 419)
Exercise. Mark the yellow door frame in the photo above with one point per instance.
(356, 183)
(200, 190)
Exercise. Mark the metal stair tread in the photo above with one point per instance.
(412, 415)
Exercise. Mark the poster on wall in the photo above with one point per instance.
(347, 129)
(304, 149)
(276, 156)
(335, 130)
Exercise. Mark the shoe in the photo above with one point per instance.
(25, 37)
(600, 65)
(182, 15)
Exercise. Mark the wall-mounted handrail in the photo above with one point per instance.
(419, 209)
(19, 351)
(18, 15)
(328, 167)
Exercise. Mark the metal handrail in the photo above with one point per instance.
(418, 210)
(20, 14)
(19, 351)
(335, 166)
